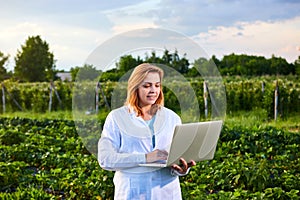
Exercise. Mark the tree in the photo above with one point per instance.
(167, 57)
(154, 58)
(180, 64)
(281, 66)
(172, 60)
(199, 65)
(127, 62)
(203, 67)
(3, 60)
(34, 62)
(74, 72)
(254, 65)
(87, 72)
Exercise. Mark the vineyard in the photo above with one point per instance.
(45, 158)
(241, 94)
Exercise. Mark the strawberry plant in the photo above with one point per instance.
(46, 159)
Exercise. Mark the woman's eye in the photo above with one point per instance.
(146, 86)
(149, 85)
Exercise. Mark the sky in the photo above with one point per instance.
(74, 29)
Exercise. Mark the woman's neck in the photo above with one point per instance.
(146, 112)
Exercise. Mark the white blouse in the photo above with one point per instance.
(124, 142)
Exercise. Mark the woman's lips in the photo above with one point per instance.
(151, 96)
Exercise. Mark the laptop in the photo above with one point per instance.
(192, 141)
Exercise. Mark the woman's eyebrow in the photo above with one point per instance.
(146, 82)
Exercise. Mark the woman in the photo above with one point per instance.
(141, 132)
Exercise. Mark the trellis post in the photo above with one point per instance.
(276, 94)
(11, 96)
(52, 87)
(205, 96)
(97, 97)
(103, 96)
(50, 97)
(3, 98)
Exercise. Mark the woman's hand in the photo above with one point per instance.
(156, 156)
(183, 167)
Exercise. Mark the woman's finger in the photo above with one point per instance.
(184, 164)
(177, 168)
(191, 163)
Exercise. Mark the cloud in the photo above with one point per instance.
(76, 13)
(280, 38)
(74, 29)
(131, 17)
(69, 44)
(56, 7)
(194, 16)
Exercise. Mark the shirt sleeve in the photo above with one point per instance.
(109, 157)
(176, 173)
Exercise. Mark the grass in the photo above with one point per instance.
(66, 115)
(47, 115)
(259, 118)
(255, 118)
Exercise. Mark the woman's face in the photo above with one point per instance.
(149, 90)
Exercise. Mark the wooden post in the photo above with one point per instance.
(97, 97)
(56, 93)
(103, 95)
(11, 96)
(52, 88)
(263, 87)
(3, 98)
(205, 95)
(50, 97)
(276, 101)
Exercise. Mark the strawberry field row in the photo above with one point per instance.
(45, 159)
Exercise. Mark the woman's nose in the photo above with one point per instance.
(152, 88)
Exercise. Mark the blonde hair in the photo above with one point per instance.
(135, 80)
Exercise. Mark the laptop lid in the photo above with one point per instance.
(192, 141)
(195, 141)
